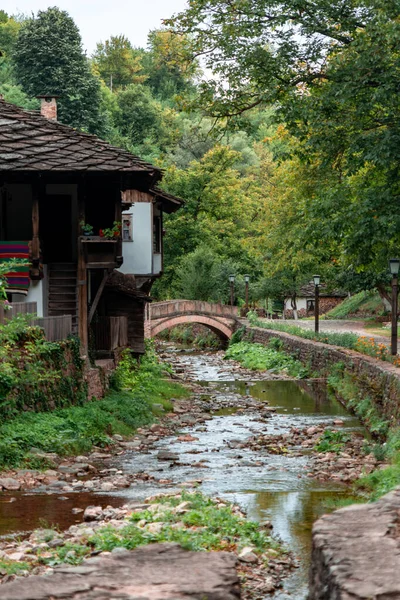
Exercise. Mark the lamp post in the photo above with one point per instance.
(394, 264)
(317, 280)
(246, 280)
(232, 282)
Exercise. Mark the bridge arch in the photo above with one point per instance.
(223, 331)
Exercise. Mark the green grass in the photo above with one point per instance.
(203, 527)
(346, 340)
(363, 304)
(8, 567)
(266, 358)
(75, 430)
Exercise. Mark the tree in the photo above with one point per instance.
(117, 62)
(333, 71)
(168, 71)
(49, 59)
(203, 275)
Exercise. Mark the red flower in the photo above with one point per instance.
(116, 233)
(101, 233)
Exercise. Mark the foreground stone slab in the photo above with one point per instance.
(356, 552)
(154, 572)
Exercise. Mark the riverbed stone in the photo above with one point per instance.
(8, 483)
(92, 513)
(168, 455)
(154, 572)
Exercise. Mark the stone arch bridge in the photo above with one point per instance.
(220, 318)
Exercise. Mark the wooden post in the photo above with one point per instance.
(393, 345)
(118, 218)
(316, 308)
(35, 248)
(98, 294)
(82, 275)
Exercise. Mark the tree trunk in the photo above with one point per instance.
(294, 308)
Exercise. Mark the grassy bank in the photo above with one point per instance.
(349, 340)
(136, 398)
(385, 443)
(267, 358)
(364, 304)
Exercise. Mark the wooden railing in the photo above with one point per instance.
(110, 333)
(55, 328)
(17, 308)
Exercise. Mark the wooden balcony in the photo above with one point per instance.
(101, 253)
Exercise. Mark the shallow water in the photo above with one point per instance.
(268, 487)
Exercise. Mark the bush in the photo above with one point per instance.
(76, 429)
(36, 374)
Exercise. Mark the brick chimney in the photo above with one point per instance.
(48, 107)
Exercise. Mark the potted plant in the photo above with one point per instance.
(113, 232)
(86, 229)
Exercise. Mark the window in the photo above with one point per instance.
(127, 235)
(157, 235)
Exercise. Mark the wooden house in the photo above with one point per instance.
(305, 301)
(54, 179)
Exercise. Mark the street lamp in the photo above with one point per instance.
(317, 280)
(246, 280)
(394, 264)
(232, 282)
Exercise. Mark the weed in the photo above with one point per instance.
(259, 357)
(332, 441)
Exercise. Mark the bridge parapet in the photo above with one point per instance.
(160, 310)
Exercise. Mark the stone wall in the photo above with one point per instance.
(356, 552)
(380, 380)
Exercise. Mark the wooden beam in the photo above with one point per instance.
(82, 275)
(98, 295)
(37, 189)
(118, 218)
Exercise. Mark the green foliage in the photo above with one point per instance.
(381, 481)
(345, 385)
(36, 374)
(76, 429)
(49, 59)
(197, 336)
(259, 357)
(332, 441)
(237, 336)
(117, 62)
(203, 275)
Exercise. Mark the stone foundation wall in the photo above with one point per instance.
(376, 378)
(356, 552)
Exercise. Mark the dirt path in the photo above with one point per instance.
(340, 326)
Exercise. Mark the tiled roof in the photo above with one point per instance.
(308, 291)
(30, 142)
(170, 203)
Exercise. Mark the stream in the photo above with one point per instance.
(269, 487)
